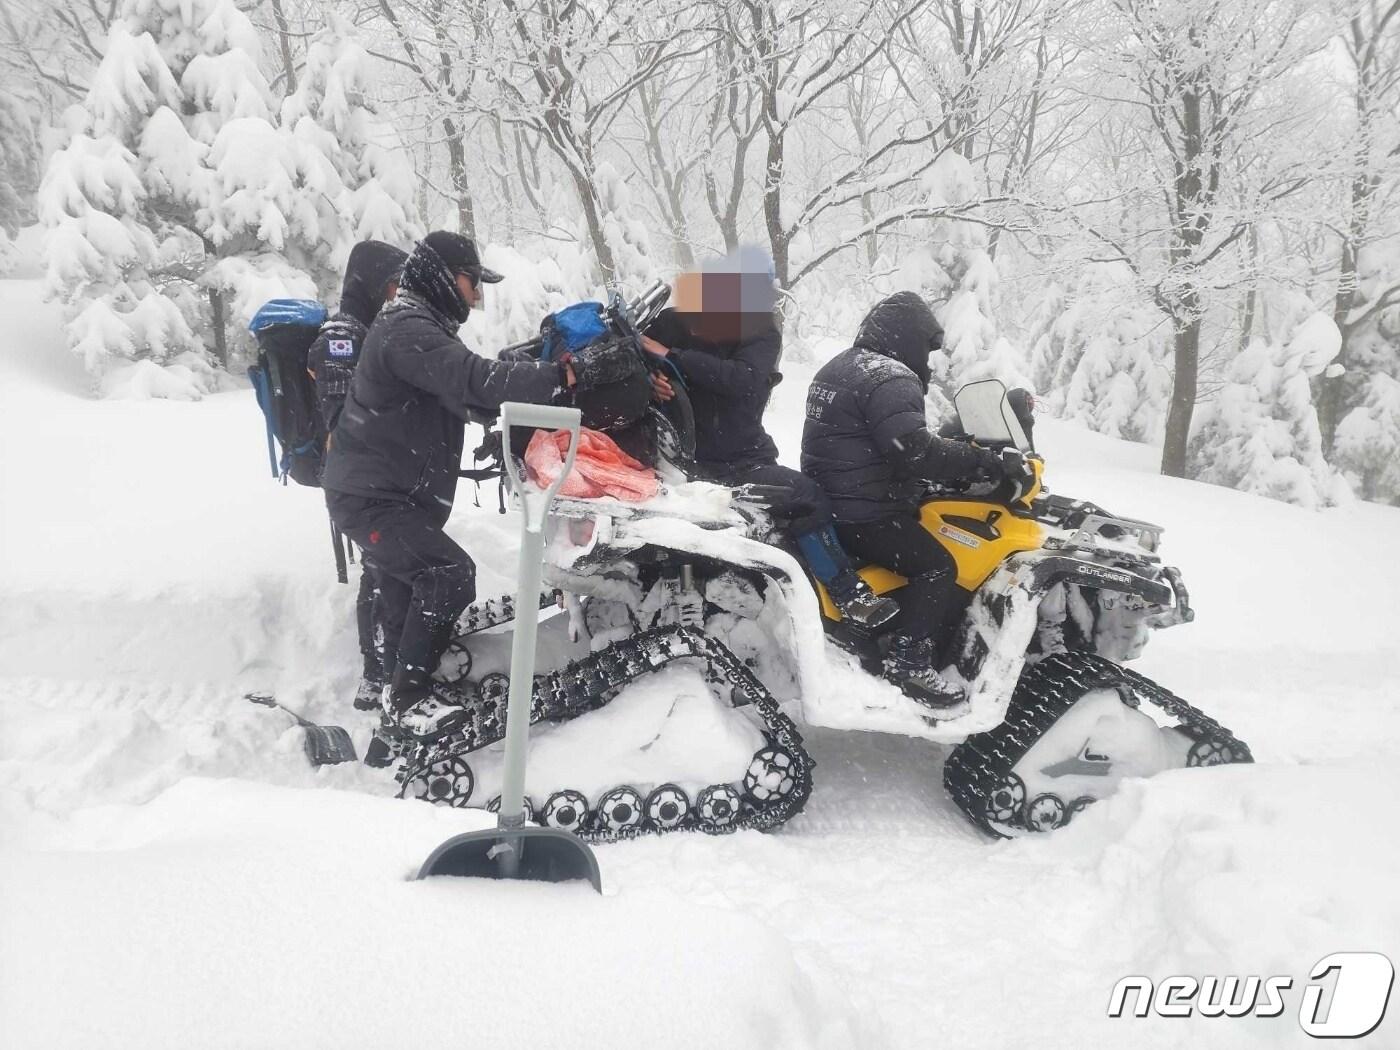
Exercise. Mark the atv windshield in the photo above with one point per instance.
(986, 416)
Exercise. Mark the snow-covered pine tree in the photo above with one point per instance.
(1260, 433)
(1045, 337)
(1367, 444)
(626, 234)
(19, 164)
(180, 204)
(1098, 355)
(1120, 381)
(350, 168)
(130, 202)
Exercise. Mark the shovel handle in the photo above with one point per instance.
(535, 509)
(535, 505)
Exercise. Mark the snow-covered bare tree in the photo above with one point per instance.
(563, 72)
(1368, 272)
(1205, 90)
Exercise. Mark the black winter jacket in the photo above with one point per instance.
(729, 385)
(331, 359)
(400, 436)
(866, 439)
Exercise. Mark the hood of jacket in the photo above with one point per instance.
(902, 327)
(368, 271)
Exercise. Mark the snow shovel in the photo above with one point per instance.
(513, 851)
(325, 745)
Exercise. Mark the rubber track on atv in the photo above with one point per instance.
(591, 682)
(495, 611)
(982, 765)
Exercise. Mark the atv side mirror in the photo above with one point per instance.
(986, 415)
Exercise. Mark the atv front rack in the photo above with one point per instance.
(1092, 528)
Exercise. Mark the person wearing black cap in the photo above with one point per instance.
(391, 468)
(371, 280)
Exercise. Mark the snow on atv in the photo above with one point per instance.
(692, 638)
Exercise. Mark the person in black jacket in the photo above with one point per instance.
(391, 468)
(724, 341)
(866, 440)
(371, 280)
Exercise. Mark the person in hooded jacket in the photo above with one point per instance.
(371, 280)
(728, 357)
(392, 465)
(867, 441)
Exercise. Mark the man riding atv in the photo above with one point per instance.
(867, 442)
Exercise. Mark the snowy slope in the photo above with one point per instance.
(172, 875)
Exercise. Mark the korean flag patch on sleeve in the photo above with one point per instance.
(340, 348)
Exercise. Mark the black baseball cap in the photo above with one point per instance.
(460, 255)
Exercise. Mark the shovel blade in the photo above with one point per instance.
(533, 854)
(327, 745)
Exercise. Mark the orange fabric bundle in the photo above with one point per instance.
(600, 469)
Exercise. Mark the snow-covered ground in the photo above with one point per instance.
(173, 875)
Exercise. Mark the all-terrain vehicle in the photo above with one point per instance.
(690, 645)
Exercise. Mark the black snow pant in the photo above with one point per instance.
(800, 502)
(932, 601)
(425, 581)
(366, 616)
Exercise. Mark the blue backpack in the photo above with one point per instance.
(286, 393)
(571, 329)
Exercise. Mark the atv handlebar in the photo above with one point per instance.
(624, 318)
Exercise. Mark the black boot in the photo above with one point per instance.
(909, 665)
(827, 559)
(858, 603)
(369, 694)
(421, 708)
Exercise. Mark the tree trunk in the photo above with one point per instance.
(671, 193)
(1331, 390)
(284, 43)
(607, 264)
(457, 165)
(1190, 206)
(507, 192)
(1186, 363)
(773, 206)
(1251, 298)
(216, 316)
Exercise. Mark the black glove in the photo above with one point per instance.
(602, 365)
(1018, 472)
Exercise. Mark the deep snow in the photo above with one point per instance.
(174, 876)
